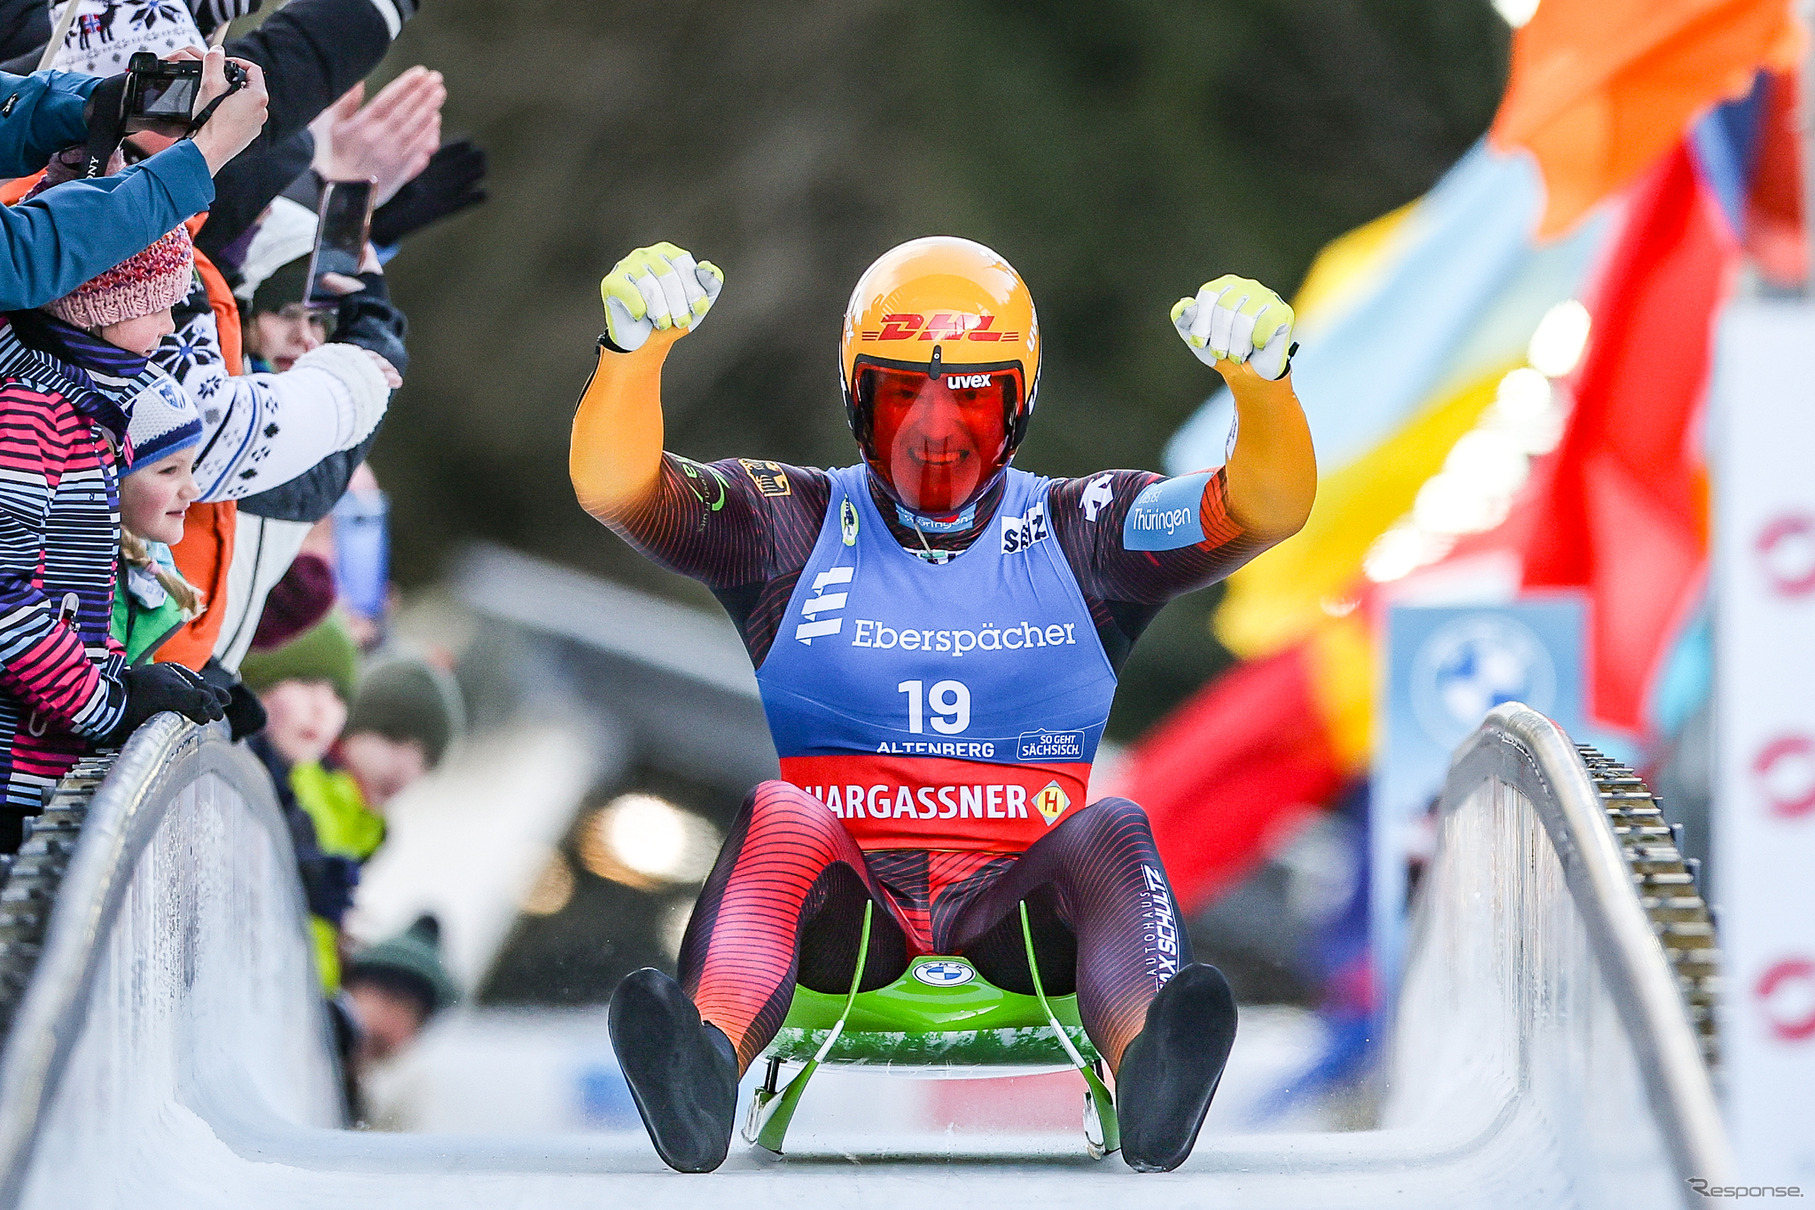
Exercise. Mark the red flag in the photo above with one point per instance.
(1775, 226)
(1245, 754)
(1621, 508)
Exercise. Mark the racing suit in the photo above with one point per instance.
(935, 720)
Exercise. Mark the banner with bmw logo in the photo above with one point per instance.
(1446, 667)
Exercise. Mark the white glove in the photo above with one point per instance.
(1237, 319)
(655, 289)
(361, 374)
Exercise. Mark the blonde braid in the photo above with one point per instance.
(188, 597)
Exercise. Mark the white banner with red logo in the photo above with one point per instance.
(1764, 806)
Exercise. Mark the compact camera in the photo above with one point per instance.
(160, 95)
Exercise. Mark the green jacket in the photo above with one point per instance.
(334, 803)
(344, 827)
(139, 628)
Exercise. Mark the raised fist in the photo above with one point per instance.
(657, 289)
(1237, 319)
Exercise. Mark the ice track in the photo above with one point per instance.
(167, 1050)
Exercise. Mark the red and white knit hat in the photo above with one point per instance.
(154, 279)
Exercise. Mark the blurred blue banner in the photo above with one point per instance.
(1446, 667)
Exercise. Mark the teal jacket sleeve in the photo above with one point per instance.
(40, 115)
(80, 229)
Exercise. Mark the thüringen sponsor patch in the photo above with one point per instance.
(1165, 516)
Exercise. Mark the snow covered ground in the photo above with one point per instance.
(540, 1073)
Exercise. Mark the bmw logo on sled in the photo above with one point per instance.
(944, 974)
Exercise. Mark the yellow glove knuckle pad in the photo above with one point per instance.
(1258, 314)
(617, 284)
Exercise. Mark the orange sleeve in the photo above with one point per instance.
(13, 192)
(1272, 471)
(205, 555)
(223, 304)
(615, 454)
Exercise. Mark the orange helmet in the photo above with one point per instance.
(941, 359)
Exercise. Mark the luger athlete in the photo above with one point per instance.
(936, 636)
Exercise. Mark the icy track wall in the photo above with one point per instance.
(175, 976)
(170, 1050)
(1540, 1023)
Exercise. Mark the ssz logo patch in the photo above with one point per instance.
(942, 325)
(1019, 533)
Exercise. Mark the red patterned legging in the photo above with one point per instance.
(784, 904)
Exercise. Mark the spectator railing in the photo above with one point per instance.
(177, 870)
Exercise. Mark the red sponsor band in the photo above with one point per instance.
(941, 325)
(920, 802)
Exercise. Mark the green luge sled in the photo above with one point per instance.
(940, 1015)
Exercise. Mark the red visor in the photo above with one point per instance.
(937, 441)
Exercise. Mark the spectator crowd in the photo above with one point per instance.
(187, 522)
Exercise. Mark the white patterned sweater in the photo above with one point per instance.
(262, 430)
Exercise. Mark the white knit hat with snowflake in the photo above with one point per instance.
(164, 419)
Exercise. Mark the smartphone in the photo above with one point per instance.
(343, 218)
(160, 96)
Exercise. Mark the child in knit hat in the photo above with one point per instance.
(394, 988)
(153, 599)
(305, 687)
(406, 714)
(129, 305)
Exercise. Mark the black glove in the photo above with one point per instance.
(210, 14)
(328, 885)
(451, 182)
(245, 714)
(154, 688)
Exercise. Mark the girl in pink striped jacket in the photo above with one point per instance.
(69, 377)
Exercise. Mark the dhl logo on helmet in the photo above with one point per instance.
(942, 325)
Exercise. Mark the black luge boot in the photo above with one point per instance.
(1171, 1069)
(682, 1071)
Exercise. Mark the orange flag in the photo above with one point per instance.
(1600, 89)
